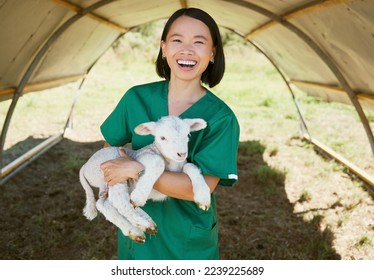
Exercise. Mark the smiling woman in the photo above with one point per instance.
(188, 49)
(190, 55)
(202, 33)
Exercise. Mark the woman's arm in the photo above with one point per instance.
(178, 185)
(173, 184)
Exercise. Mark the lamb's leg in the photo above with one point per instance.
(154, 167)
(112, 215)
(90, 209)
(120, 199)
(140, 212)
(200, 188)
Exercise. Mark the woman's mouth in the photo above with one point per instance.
(186, 64)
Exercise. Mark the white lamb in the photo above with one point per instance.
(167, 152)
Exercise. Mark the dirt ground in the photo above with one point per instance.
(274, 212)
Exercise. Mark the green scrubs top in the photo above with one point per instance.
(184, 230)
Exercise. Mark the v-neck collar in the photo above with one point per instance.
(190, 109)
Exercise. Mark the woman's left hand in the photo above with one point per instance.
(121, 169)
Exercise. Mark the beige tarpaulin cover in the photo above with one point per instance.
(323, 47)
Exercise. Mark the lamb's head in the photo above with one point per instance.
(171, 135)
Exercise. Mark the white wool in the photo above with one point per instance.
(120, 203)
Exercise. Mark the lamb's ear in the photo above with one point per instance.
(196, 124)
(145, 128)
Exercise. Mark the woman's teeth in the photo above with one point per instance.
(188, 63)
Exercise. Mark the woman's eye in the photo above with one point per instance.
(199, 42)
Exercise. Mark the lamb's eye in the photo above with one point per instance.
(162, 138)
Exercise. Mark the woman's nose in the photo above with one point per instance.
(187, 49)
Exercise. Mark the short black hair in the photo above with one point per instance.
(214, 72)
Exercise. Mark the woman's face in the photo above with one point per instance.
(188, 48)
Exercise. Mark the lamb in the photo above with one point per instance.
(121, 203)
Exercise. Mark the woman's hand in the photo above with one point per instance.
(121, 169)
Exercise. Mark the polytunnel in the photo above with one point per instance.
(324, 48)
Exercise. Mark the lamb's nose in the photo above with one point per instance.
(182, 155)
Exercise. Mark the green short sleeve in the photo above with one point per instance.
(219, 147)
(116, 129)
(140, 104)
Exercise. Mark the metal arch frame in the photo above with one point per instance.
(26, 77)
(324, 57)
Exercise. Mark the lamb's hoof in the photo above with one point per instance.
(134, 204)
(203, 206)
(152, 230)
(103, 194)
(137, 235)
(138, 239)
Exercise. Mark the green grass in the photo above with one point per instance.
(251, 148)
(305, 196)
(364, 241)
(74, 162)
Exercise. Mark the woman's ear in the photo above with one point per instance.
(162, 46)
(213, 55)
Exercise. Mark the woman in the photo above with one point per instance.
(190, 54)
